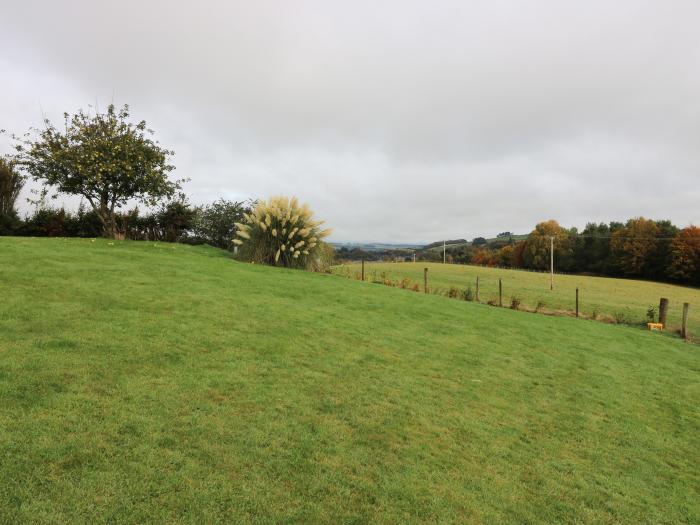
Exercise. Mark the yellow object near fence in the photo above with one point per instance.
(655, 326)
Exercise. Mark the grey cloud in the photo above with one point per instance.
(396, 120)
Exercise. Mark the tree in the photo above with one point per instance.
(102, 157)
(479, 241)
(685, 256)
(538, 244)
(633, 245)
(660, 258)
(591, 250)
(506, 256)
(11, 183)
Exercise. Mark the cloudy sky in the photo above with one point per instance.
(396, 120)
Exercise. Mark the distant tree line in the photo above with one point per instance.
(639, 248)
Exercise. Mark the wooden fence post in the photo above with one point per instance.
(576, 301)
(425, 279)
(663, 311)
(684, 329)
(500, 292)
(477, 288)
(363, 269)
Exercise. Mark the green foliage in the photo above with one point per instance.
(280, 232)
(468, 294)
(102, 157)
(651, 313)
(215, 224)
(175, 219)
(621, 317)
(454, 292)
(11, 183)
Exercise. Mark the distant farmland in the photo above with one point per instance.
(606, 296)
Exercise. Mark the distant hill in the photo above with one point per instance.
(376, 246)
(439, 243)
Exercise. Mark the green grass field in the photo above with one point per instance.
(606, 295)
(163, 383)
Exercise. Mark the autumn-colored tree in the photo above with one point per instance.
(536, 253)
(685, 255)
(518, 254)
(506, 256)
(102, 157)
(482, 256)
(633, 245)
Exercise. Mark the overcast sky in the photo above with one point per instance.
(396, 120)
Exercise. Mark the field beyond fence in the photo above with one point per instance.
(616, 300)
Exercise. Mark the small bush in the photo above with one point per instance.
(454, 292)
(514, 303)
(620, 318)
(415, 287)
(651, 314)
(595, 314)
(405, 283)
(215, 223)
(540, 306)
(468, 294)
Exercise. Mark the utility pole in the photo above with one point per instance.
(444, 257)
(551, 263)
(414, 255)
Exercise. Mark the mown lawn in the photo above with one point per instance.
(159, 383)
(609, 297)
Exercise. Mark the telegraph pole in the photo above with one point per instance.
(551, 263)
(444, 257)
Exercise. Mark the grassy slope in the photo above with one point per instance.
(607, 295)
(145, 382)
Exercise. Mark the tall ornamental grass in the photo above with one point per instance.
(280, 232)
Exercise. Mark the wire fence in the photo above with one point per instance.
(605, 301)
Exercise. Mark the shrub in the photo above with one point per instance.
(324, 260)
(651, 314)
(280, 232)
(175, 219)
(468, 294)
(540, 306)
(454, 292)
(514, 303)
(11, 183)
(620, 317)
(215, 224)
(405, 283)
(415, 287)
